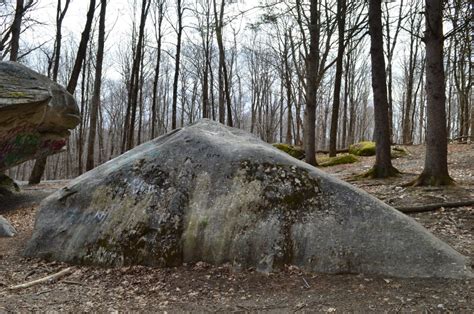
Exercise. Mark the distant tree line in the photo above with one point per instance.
(316, 73)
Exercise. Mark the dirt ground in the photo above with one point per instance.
(205, 288)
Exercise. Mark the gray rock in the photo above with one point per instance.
(35, 115)
(7, 186)
(6, 229)
(217, 194)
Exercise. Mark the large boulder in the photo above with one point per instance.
(217, 194)
(35, 115)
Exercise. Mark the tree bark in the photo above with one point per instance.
(311, 87)
(435, 170)
(383, 164)
(177, 64)
(341, 16)
(97, 86)
(81, 52)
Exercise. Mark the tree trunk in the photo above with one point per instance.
(177, 64)
(97, 86)
(81, 52)
(159, 37)
(435, 170)
(135, 75)
(311, 87)
(383, 164)
(341, 16)
(16, 30)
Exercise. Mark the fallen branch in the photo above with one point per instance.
(49, 278)
(432, 207)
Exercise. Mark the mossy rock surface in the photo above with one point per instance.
(338, 160)
(216, 194)
(7, 185)
(365, 148)
(294, 151)
(398, 152)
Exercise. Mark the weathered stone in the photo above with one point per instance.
(365, 148)
(217, 194)
(35, 115)
(7, 185)
(6, 229)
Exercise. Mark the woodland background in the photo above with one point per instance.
(150, 66)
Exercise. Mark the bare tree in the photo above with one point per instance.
(179, 31)
(383, 164)
(311, 85)
(97, 86)
(435, 171)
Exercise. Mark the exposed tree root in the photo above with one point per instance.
(429, 180)
(432, 207)
(380, 173)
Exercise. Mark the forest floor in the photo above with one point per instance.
(205, 288)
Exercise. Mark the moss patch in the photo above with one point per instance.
(7, 185)
(398, 152)
(294, 151)
(16, 94)
(338, 160)
(365, 148)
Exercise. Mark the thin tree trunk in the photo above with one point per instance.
(177, 64)
(16, 30)
(97, 86)
(311, 86)
(341, 16)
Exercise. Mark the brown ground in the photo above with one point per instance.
(204, 288)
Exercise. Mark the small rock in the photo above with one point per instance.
(6, 229)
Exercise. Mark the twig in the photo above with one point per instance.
(72, 282)
(45, 291)
(30, 274)
(432, 207)
(49, 278)
(306, 283)
(243, 307)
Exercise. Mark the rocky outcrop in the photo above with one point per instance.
(35, 115)
(6, 229)
(217, 194)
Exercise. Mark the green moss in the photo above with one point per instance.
(293, 151)
(365, 148)
(7, 185)
(16, 94)
(398, 152)
(338, 160)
